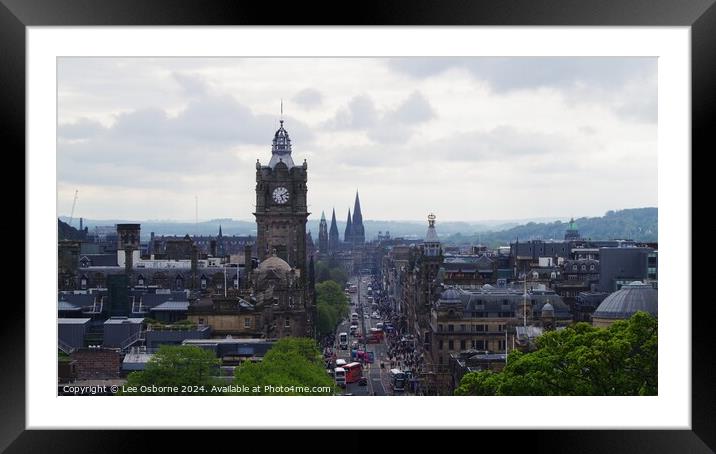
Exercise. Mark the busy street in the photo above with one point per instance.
(368, 356)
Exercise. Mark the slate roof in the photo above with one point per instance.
(628, 300)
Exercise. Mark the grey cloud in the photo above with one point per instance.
(151, 143)
(503, 143)
(308, 98)
(191, 84)
(509, 73)
(360, 114)
(415, 109)
(81, 129)
(388, 127)
(595, 79)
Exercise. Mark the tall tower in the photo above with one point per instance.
(431, 244)
(128, 245)
(333, 238)
(281, 205)
(348, 236)
(358, 232)
(323, 235)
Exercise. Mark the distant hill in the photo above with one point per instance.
(639, 224)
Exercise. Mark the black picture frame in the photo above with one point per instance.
(700, 15)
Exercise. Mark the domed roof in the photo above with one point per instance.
(281, 148)
(273, 263)
(450, 294)
(547, 309)
(625, 302)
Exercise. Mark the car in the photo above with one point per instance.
(366, 316)
(363, 381)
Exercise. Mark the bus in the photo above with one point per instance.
(340, 376)
(353, 289)
(397, 380)
(354, 371)
(343, 341)
(375, 336)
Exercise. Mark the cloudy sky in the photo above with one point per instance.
(467, 138)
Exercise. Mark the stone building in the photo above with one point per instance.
(485, 319)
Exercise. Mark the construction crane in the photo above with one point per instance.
(74, 202)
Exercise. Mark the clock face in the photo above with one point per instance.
(280, 195)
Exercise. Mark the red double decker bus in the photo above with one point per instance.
(354, 371)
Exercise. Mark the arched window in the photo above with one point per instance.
(584, 267)
(179, 283)
(574, 267)
(591, 267)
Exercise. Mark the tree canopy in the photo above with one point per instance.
(291, 363)
(330, 270)
(332, 306)
(580, 360)
(177, 365)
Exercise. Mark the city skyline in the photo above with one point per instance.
(554, 137)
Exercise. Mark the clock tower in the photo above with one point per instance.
(281, 205)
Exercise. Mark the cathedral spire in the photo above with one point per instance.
(358, 231)
(323, 235)
(333, 238)
(357, 215)
(348, 237)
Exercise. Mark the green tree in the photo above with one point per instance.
(581, 360)
(177, 365)
(332, 306)
(330, 270)
(291, 363)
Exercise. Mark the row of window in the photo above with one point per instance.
(584, 267)
(473, 328)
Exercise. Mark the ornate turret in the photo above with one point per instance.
(281, 148)
(431, 243)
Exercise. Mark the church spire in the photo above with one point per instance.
(348, 237)
(333, 238)
(358, 231)
(323, 235)
(357, 215)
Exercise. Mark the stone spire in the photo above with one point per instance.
(348, 237)
(323, 235)
(358, 231)
(333, 238)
